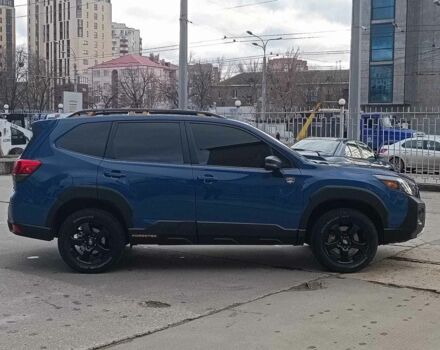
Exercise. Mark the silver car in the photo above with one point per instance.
(419, 154)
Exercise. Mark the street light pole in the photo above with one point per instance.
(183, 56)
(263, 46)
(354, 104)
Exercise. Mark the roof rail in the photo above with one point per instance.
(141, 112)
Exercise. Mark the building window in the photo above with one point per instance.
(383, 9)
(382, 42)
(381, 84)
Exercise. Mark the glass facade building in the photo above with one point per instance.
(382, 34)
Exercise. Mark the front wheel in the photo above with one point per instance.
(344, 240)
(91, 241)
(398, 164)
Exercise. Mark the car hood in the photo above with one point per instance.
(360, 163)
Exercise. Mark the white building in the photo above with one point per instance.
(71, 36)
(125, 41)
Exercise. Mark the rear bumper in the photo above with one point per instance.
(413, 225)
(29, 231)
(35, 232)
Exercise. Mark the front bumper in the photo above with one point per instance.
(412, 226)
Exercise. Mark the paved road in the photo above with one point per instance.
(220, 297)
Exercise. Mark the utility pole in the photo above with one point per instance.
(75, 69)
(263, 45)
(354, 104)
(183, 59)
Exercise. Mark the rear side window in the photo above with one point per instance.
(230, 147)
(148, 142)
(89, 139)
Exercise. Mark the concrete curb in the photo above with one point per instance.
(429, 187)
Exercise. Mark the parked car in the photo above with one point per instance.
(340, 151)
(100, 183)
(13, 138)
(419, 154)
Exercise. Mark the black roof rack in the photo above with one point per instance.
(141, 112)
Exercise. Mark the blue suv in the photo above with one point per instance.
(101, 180)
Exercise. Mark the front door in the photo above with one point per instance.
(147, 165)
(237, 200)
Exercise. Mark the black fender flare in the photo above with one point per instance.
(106, 196)
(344, 193)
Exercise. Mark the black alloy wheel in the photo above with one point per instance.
(91, 241)
(344, 240)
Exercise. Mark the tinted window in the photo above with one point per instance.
(148, 142)
(89, 139)
(327, 147)
(382, 42)
(432, 145)
(383, 9)
(226, 146)
(17, 137)
(413, 144)
(381, 84)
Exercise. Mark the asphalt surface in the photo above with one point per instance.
(220, 297)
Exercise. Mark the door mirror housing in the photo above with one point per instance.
(273, 163)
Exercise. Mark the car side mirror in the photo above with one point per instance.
(273, 163)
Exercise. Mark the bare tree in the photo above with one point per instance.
(283, 80)
(168, 89)
(138, 88)
(12, 77)
(202, 77)
(107, 96)
(38, 88)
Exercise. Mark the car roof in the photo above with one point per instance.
(142, 112)
(326, 139)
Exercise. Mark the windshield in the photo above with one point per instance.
(328, 147)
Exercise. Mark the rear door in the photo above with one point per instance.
(148, 164)
(237, 200)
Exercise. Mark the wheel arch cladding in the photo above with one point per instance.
(329, 198)
(78, 199)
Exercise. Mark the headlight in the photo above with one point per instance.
(397, 184)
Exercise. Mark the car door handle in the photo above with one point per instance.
(208, 179)
(114, 174)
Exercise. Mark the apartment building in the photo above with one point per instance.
(71, 35)
(125, 40)
(400, 53)
(7, 33)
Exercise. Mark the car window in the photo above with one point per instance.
(322, 146)
(367, 152)
(431, 145)
(148, 142)
(230, 147)
(354, 150)
(414, 144)
(89, 139)
(17, 137)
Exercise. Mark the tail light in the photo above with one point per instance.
(24, 168)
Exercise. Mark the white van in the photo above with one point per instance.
(13, 138)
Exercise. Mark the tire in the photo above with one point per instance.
(344, 240)
(16, 152)
(398, 164)
(91, 241)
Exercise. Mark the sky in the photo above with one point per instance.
(319, 29)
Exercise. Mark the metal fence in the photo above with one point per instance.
(408, 139)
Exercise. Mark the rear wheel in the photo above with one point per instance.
(91, 241)
(344, 240)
